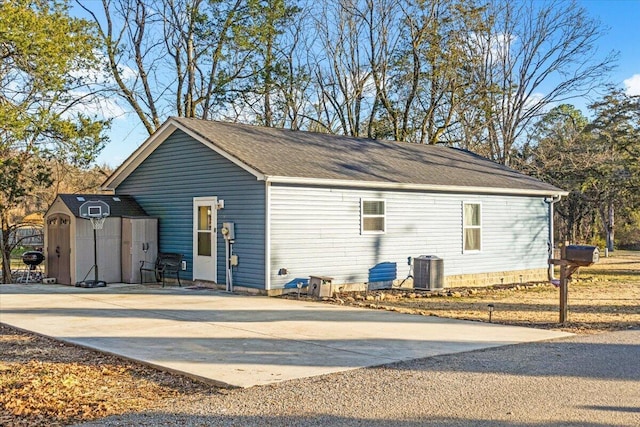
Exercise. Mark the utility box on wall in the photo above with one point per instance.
(228, 230)
(428, 272)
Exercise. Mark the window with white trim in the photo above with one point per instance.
(472, 227)
(373, 216)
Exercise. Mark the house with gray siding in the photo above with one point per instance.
(308, 204)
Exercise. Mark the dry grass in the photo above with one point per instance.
(603, 297)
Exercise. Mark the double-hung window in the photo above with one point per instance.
(472, 227)
(372, 216)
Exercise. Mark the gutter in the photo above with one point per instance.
(551, 193)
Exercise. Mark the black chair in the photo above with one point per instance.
(166, 264)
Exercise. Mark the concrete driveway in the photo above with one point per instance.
(241, 341)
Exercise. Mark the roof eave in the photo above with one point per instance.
(415, 187)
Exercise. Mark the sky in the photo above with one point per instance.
(622, 17)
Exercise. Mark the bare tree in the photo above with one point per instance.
(455, 71)
(295, 81)
(177, 57)
(614, 180)
(274, 95)
(535, 53)
(127, 45)
(560, 152)
(342, 74)
(395, 65)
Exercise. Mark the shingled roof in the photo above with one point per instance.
(120, 206)
(280, 155)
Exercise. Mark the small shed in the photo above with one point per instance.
(128, 236)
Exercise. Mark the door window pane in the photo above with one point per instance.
(204, 243)
(204, 217)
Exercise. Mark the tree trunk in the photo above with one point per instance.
(268, 115)
(5, 250)
(607, 217)
(6, 266)
(610, 228)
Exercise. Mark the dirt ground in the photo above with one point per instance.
(44, 382)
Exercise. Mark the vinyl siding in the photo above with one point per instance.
(316, 231)
(182, 168)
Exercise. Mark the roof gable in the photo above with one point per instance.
(120, 206)
(280, 155)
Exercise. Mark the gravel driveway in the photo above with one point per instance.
(591, 380)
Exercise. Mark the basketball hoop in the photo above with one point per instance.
(97, 212)
(97, 222)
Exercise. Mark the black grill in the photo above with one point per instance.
(32, 258)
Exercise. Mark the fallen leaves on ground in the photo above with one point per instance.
(46, 383)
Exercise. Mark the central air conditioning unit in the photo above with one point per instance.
(428, 272)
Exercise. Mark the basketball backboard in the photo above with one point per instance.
(94, 209)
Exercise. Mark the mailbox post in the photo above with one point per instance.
(572, 257)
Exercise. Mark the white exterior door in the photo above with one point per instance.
(204, 238)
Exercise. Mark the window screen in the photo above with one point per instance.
(373, 216)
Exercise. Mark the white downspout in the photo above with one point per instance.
(267, 235)
(551, 201)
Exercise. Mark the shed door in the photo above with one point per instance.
(128, 270)
(59, 248)
(204, 238)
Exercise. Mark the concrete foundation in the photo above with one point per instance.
(496, 278)
(456, 281)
